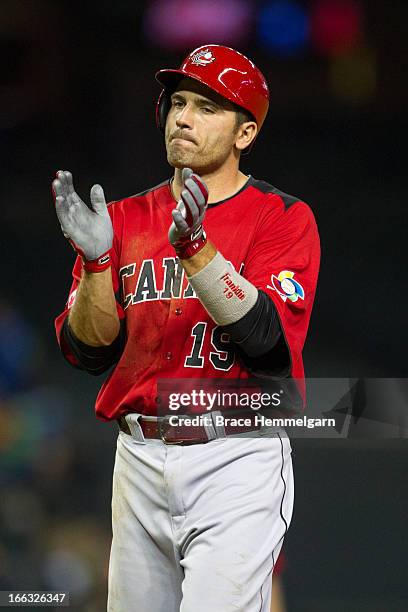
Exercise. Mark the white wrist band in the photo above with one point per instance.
(226, 295)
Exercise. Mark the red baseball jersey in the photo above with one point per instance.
(269, 237)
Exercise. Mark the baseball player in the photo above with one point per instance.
(209, 276)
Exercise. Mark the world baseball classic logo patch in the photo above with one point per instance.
(286, 286)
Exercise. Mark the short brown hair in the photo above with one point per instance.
(241, 116)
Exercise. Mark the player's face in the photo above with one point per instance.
(200, 128)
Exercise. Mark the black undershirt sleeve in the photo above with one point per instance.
(259, 330)
(259, 339)
(94, 359)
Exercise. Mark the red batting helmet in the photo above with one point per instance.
(224, 70)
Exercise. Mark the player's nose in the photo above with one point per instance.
(185, 117)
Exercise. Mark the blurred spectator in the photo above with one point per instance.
(278, 603)
(47, 479)
(20, 350)
(76, 560)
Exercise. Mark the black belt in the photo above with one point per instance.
(181, 433)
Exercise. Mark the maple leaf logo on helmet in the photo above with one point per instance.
(203, 58)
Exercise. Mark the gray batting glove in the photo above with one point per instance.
(190, 211)
(89, 229)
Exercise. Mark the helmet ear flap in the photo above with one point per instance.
(162, 109)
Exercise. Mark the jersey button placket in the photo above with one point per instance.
(170, 349)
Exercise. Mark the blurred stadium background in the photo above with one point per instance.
(77, 91)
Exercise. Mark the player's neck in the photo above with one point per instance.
(221, 185)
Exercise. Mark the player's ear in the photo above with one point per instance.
(245, 134)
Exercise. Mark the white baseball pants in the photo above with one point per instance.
(198, 528)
